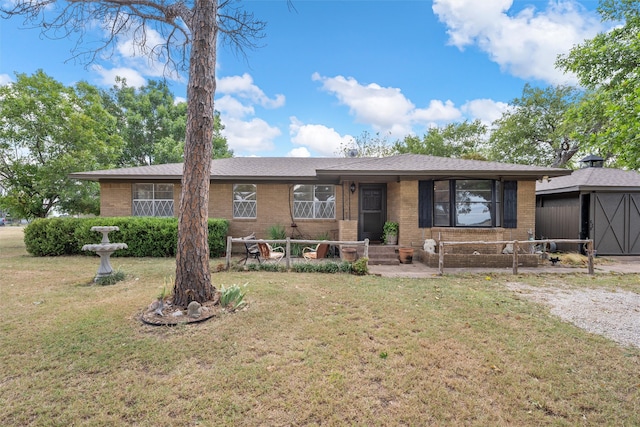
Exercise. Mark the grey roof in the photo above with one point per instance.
(592, 179)
(330, 168)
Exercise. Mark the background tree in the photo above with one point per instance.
(608, 65)
(153, 125)
(461, 140)
(48, 131)
(367, 145)
(535, 130)
(190, 32)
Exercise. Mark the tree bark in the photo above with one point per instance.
(193, 276)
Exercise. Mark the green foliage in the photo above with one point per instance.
(607, 65)
(535, 129)
(277, 232)
(144, 236)
(360, 267)
(232, 298)
(389, 229)
(461, 140)
(322, 267)
(153, 124)
(47, 131)
(112, 279)
(299, 267)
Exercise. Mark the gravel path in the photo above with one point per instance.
(615, 315)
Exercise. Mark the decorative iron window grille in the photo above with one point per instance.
(245, 202)
(152, 200)
(314, 202)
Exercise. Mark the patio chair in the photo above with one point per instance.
(319, 252)
(252, 250)
(267, 252)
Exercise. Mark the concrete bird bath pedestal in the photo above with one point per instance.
(104, 249)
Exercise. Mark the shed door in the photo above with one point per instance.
(616, 223)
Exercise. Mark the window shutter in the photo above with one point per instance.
(425, 204)
(510, 218)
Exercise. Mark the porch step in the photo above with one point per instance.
(383, 255)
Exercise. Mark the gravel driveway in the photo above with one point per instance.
(615, 315)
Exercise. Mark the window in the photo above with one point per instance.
(467, 203)
(245, 203)
(152, 199)
(314, 202)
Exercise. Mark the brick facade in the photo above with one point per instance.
(274, 204)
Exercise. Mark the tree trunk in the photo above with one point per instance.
(193, 276)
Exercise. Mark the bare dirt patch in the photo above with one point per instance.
(613, 314)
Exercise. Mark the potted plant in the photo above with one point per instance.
(390, 232)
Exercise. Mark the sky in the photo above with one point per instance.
(329, 71)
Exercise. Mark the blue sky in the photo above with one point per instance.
(330, 70)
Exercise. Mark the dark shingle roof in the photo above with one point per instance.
(313, 168)
(592, 179)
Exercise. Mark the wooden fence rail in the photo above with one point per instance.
(516, 246)
(288, 241)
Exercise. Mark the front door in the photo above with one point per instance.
(373, 211)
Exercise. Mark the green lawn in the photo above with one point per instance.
(308, 350)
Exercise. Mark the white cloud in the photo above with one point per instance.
(299, 152)
(232, 107)
(237, 107)
(244, 88)
(485, 110)
(108, 76)
(386, 110)
(525, 44)
(5, 79)
(437, 111)
(320, 139)
(249, 136)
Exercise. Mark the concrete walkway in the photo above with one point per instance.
(620, 265)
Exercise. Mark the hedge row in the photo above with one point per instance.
(144, 236)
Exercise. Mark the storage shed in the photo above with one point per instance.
(593, 202)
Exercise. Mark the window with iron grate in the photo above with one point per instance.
(152, 199)
(314, 201)
(245, 201)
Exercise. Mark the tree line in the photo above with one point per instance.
(49, 130)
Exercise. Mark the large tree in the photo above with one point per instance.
(535, 130)
(462, 140)
(608, 65)
(153, 125)
(190, 32)
(47, 131)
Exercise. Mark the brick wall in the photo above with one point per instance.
(115, 199)
(274, 204)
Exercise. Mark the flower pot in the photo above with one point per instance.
(391, 239)
(405, 255)
(349, 254)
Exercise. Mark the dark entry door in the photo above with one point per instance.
(373, 211)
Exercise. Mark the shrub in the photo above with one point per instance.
(144, 236)
(360, 267)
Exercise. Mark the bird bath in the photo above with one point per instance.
(104, 249)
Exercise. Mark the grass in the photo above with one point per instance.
(310, 349)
